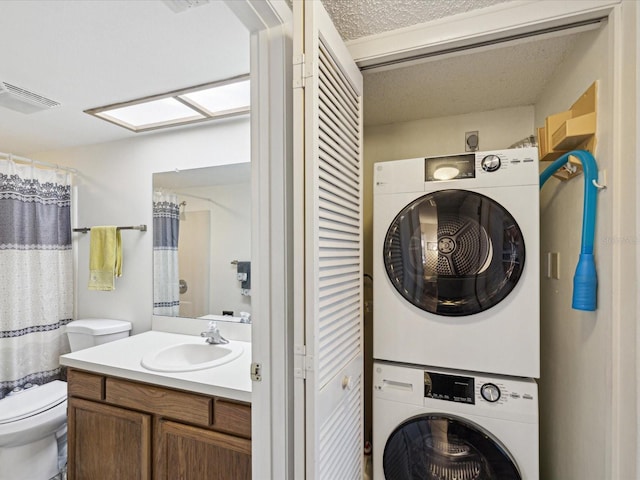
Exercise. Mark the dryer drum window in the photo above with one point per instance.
(454, 252)
(441, 447)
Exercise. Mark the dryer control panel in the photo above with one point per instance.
(490, 169)
(451, 167)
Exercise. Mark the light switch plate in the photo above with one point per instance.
(553, 265)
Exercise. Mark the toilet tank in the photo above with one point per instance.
(95, 331)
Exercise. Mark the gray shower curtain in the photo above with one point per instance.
(166, 282)
(36, 274)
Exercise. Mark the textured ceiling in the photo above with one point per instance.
(477, 80)
(502, 77)
(360, 18)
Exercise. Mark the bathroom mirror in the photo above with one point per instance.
(202, 241)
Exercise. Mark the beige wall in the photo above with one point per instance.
(575, 346)
(579, 390)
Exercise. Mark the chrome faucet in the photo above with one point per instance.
(213, 336)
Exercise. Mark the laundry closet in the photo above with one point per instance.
(502, 93)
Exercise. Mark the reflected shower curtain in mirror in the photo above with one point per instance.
(36, 274)
(166, 226)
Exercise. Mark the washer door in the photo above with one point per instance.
(441, 447)
(454, 252)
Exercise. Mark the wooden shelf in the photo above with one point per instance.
(574, 132)
(570, 130)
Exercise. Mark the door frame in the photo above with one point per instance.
(477, 27)
(269, 23)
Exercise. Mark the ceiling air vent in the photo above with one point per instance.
(21, 100)
(181, 5)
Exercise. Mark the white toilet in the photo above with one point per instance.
(33, 421)
(95, 331)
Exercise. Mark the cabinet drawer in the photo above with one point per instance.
(187, 407)
(85, 385)
(232, 417)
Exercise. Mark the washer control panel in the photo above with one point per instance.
(473, 390)
(490, 163)
(436, 389)
(453, 388)
(490, 392)
(496, 391)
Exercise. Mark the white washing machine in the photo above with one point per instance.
(456, 262)
(439, 424)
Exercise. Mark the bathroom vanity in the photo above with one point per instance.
(124, 429)
(128, 422)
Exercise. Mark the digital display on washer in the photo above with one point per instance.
(451, 388)
(452, 167)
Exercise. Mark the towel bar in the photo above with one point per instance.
(142, 228)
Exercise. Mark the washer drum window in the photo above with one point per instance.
(442, 447)
(454, 252)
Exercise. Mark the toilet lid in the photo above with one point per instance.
(32, 401)
(98, 326)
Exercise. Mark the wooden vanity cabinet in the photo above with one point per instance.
(184, 451)
(129, 430)
(108, 442)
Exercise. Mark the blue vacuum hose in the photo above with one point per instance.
(585, 280)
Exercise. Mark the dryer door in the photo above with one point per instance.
(454, 252)
(443, 447)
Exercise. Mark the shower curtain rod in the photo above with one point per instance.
(17, 158)
(194, 196)
(164, 190)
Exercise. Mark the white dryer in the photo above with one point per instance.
(456, 262)
(438, 424)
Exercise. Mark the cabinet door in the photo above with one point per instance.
(192, 453)
(108, 442)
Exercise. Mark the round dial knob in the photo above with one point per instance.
(490, 163)
(490, 392)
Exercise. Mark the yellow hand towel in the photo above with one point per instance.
(105, 258)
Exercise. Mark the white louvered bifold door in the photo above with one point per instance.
(329, 88)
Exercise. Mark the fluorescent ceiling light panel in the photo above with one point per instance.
(211, 101)
(231, 96)
(152, 113)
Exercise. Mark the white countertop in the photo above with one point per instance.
(122, 359)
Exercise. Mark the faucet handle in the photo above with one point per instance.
(213, 326)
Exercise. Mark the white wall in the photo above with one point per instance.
(577, 384)
(114, 188)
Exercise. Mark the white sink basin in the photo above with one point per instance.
(187, 357)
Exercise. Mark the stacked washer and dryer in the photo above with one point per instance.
(456, 317)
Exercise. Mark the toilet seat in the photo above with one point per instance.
(32, 401)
